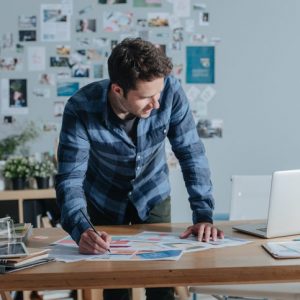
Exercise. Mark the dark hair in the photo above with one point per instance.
(135, 59)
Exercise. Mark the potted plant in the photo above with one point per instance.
(17, 168)
(42, 171)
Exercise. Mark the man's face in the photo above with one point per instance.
(141, 101)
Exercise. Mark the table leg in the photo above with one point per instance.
(138, 294)
(92, 294)
(21, 211)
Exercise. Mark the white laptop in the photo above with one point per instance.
(284, 207)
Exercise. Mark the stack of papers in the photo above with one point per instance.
(290, 249)
(35, 257)
(148, 245)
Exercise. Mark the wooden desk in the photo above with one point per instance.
(242, 264)
(23, 195)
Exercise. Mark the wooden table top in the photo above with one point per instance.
(248, 263)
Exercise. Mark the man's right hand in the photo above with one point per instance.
(92, 243)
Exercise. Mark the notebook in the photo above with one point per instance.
(284, 206)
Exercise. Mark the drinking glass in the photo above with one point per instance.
(7, 231)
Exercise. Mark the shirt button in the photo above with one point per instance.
(165, 130)
(138, 157)
(129, 194)
(137, 168)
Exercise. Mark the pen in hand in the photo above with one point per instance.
(92, 226)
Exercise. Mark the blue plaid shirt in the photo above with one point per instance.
(99, 162)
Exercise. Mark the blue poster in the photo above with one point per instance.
(67, 88)
(200, 66)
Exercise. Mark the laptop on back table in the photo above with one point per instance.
(284, 207)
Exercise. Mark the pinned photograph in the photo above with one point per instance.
(7, 42)
(63, 50)
(46, 79)
(207, 94)
(8, 119)
(59, 107)
(116, 21)
(17, 93)
(60, 61)
(203, 18)
(19, 48)
(67, 89)
(27, 35)
(86, 25)
(41, 93)
(27, 22)
(98, 70)
(11, 64)
(55, 22)
(210, 128)
(147, 3)
(80, 70)
(158, 19)
(53, 15)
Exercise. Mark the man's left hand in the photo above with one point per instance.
(204, 231)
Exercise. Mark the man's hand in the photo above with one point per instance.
(92, 243)
(204, 231)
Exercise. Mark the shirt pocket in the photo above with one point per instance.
(158, 135)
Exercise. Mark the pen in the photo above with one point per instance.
(90, 223)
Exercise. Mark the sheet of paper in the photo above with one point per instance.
(147, 245)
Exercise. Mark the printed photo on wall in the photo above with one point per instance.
(67, 88)
(47, 79)
(86, 25)
(13, 96)
(203, 18)
(8, 119)
(55, 23)
(11, 64)
(59, 61)
(17, 93)
(200, 65)
(27, 22)
(41, 93)
(7, 41)
(80, 70)
(158, 19)
(210, 128)
(58, 108)
(116, 21)
(63, 50)
(147, 3)
(98, 70)
(27, 35)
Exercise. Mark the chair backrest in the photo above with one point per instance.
(250, 197)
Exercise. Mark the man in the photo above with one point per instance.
(111, 153)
